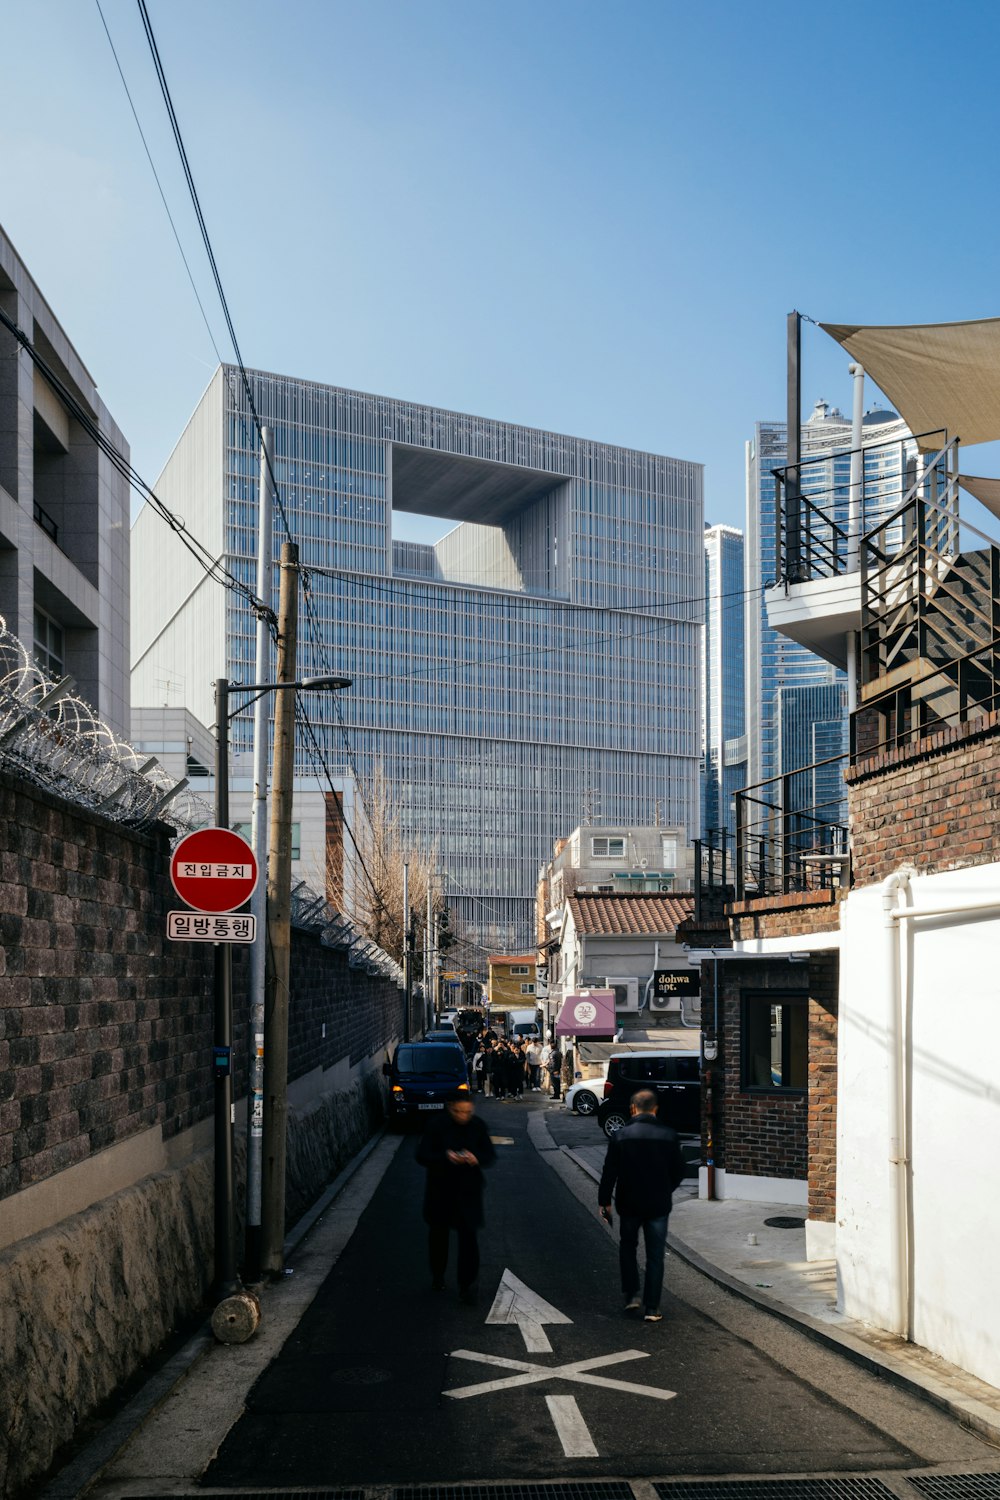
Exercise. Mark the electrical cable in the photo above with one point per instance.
(189, 177)
(212, 566)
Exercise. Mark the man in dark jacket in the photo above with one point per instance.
(455, 1149)
(644, 1161)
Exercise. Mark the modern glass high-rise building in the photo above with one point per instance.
(536, 668)
(777, 668)
(724, 743)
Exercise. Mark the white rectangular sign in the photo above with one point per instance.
(210, 870)
(200, 927)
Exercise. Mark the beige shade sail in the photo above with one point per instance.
(986, 491)
(936, 375)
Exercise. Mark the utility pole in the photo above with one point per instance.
(407, 954)
(258, 905)
(226, 1281)
(279, 908)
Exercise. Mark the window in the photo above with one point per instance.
(517, 969)
(527, 989)
(50, 650)
(775, 1041)
(607, 848)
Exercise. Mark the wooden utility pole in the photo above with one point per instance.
(279, 916)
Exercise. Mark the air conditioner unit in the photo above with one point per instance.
(660, 1004)
(626, 990)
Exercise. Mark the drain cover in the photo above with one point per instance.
(775, 1489)
(957, 1486)
(781, 1222)
(583, 1489)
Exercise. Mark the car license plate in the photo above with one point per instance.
(430, 1106)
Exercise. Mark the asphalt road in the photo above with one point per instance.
(369, 1388)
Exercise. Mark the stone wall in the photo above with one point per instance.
(934, 804)
(106, 1047)
(105, 1025)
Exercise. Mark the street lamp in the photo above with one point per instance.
(226, 1279)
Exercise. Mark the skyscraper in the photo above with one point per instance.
(779, 731)
(724, 745)
(537, 664)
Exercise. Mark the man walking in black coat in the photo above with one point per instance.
(644, 1161)
(455, 1149)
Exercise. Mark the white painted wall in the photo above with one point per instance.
(951, 986)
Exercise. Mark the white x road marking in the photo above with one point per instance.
(517, 1304)
(575, 1371)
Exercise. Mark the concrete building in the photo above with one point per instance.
(540, 661)
(723, 698)
(64, 508)
(617, 858)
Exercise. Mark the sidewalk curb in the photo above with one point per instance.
(75, 1477)
(972, 1414)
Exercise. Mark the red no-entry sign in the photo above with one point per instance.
(213, 870)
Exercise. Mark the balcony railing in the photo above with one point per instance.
(791, 832)
(818, 529)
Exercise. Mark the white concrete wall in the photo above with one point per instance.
(951, 989)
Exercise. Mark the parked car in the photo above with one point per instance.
(423, 1076)
(675, 1078)
(584, 1098)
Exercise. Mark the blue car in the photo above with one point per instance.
(423, 1077)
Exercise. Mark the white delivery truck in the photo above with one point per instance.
(524, 1023)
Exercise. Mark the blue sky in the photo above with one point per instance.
(586, 217)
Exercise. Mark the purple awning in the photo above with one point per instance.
(591, 1014)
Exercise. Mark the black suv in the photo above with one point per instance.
(423, 1076)
(674, 1077)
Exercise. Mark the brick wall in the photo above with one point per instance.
(935, 805)
(765, 1134)
(792, 915)
(105, 1025)
(824, 980)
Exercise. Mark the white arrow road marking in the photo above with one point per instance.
(573, 1431)
(517, 1303)
(575, 1371)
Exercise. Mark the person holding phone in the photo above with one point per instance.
(455, 1149)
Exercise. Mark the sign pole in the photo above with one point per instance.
(226, 1281)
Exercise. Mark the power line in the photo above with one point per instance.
(189, 177)
(213, 567)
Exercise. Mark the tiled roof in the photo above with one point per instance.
(508, 958)
(603, 916)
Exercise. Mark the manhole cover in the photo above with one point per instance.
(781, 1222)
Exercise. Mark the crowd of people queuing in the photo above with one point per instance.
(503, 1068)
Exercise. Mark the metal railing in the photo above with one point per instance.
(791, 832)
(713, 873)
(816, 534)
(964, 691)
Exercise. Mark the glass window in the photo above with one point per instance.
(775, 1041)
(244, 830)
(527, 989)
(50, 650)
(607, 848)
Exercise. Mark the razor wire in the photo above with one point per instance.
(56, 740)
(314, 913)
